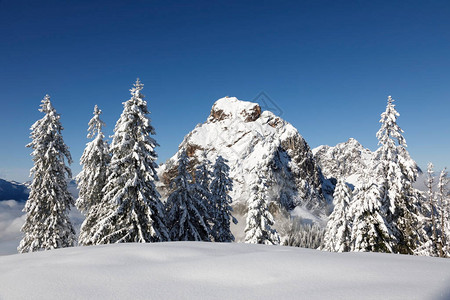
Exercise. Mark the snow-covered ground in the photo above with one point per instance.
(196, 270)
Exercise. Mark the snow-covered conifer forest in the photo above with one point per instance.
(243, 176)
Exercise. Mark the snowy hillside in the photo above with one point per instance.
(195, 270)
(253, 140)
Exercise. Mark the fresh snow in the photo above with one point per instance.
(197, 270)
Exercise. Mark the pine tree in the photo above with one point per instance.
(338, 231)
(185, 208)
(202, 179)
(370, 230)
(434, 235)
(132, 210)
(222, 213)
(396, 174)
(444, 208)
(258, 229)
(47, 224)
(92, 178)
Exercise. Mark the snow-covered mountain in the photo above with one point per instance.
(346, 160)
(11, 190)
(252, 139)
(349, 160)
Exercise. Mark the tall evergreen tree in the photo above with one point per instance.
(434, 234)
(47, 224)
(203, 180)
(396, 174)
(444, 208)
(338, 231)
(92, 178)
(185, 208)
(222, 210)
(132, 210)
(258, 229)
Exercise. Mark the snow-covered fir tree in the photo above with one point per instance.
(92, 178)
(132, 209)
(396, 173)
(185, 208)
(370, 230)
(47, 224)
(433, 211)
(203, 179)
(338, 231)
(259, 222)
(222, 211)
(444, 207)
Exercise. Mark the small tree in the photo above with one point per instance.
(258, 229)
(338, 231)
(445, 213)
(92, 178)
(222, 210)
(132, 210)
(185, 209)
(47, 224)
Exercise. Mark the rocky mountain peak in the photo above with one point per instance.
(232, 108)
(252, 139)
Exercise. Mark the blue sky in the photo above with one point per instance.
(329, 66)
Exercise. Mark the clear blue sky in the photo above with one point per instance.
(329, 66)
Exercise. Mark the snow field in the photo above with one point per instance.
(197, 270)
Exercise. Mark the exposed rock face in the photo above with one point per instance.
(251, 139)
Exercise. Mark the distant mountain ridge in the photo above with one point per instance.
(348, 160)
(11, 190)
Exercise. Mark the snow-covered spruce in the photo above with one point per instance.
(433, 210)
(203, 180)
(185, 209)
(47, 224)
(258, 229)
(132, 210)
(220, 186)
(396, 172)
(338, 231)
(444, 208)
(92, 178)
(370, 230)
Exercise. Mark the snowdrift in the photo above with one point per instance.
(195, 270)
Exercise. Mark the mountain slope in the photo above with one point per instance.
(251, 139)
(195, 270)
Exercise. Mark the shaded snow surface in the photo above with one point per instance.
(195, 270)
